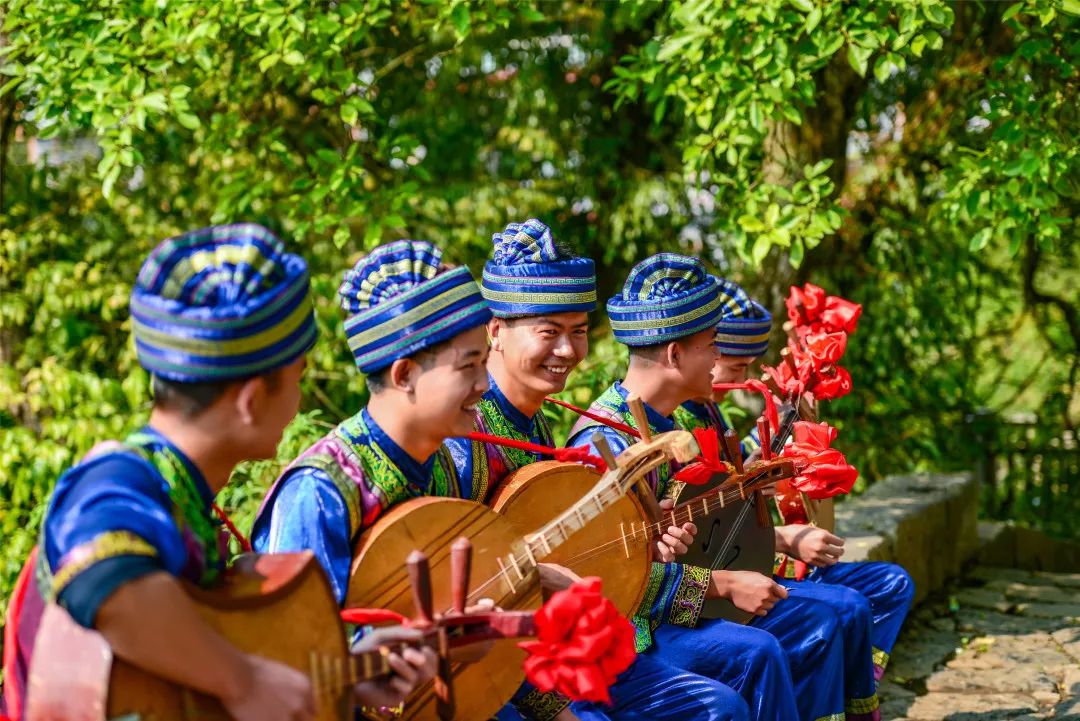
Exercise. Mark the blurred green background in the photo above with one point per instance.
(918, 158)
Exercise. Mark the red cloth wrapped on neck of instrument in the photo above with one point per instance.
(708, 462)
(582, 644)
(825, 349)
(823, 471)
(840, 314)
(834, 382)
(370, 616)
(804, 305)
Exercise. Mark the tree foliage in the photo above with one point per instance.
(919, 158)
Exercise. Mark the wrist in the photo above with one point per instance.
(238, 680)
(719, 585)
(782, 545)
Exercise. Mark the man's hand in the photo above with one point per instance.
(276, 692)
(554, 577)
(809, 544)
(748, 590)
(412, 667)
(677, 540)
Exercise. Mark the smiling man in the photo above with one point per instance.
(417, 330)
(540, 297)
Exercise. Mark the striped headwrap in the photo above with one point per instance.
(221, 303)
(744, 324)
(399, 303)
(528, 275)
(666, 297)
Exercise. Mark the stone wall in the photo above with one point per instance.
(925, 522)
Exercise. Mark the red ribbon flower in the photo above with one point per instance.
(804, 305)
(833, 383)
(708, 462)
(823, 470)
(825, 349)
(582, 644)
(840, 314)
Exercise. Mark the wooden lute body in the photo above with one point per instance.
(281, 608)
(504, 565)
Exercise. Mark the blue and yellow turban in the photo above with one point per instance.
(399, 303)
(527, 275)
(221, 303)
(744, 324)
(666, 297)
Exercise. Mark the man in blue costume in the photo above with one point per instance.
(222, 318)
(541, 298)
(666, 313)
(881, 592)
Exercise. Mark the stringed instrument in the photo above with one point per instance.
(618, 545)
(504, 564)
(279, 606)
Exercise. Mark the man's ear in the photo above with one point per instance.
(494, 329)
(402, 375)
(673, 354)
(249, 399)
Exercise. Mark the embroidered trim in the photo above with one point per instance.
(640, 619)
(101, 547)
(831, 717)
(862, 705)
(542, 706)
(881, 659)
(689, 597)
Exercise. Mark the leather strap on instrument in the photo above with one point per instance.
(571, 455)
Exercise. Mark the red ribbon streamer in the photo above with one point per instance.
(598, 418)
(572, 455)
(245, 544)
(11, 634)
(755, 385)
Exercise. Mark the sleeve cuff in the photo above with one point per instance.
(538, 706)
(100, 548)
(85, 593)
(689, 597)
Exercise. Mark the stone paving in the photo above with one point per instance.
(997, 644)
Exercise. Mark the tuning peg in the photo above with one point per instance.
(460, 568)
(731, 442)
(637, 410)
(420, 578)
(764, 438)
(604, 448)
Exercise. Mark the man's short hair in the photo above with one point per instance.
(192, 399)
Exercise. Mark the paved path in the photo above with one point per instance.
(1002, 644)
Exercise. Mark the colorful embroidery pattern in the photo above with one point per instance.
(861, 705)
(689, 597)
(103, 546)
(543, 706)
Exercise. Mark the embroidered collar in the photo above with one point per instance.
(520, 422)
(416, 473)
(198, 481)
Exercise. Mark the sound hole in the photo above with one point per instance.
(714, 543)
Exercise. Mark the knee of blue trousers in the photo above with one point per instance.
(905, 585)
(768, 654)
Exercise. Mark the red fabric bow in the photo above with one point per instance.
(582, 644)
(825, 349)
(832, 383)
(823, 471)
(708, 462)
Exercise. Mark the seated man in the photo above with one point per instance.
(222, 318)
(666, 314)
(880, 592)
(541, 298)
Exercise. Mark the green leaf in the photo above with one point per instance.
(918, 44)
(761, 249)
(830, 47)
(460, 17)
(883, 69)
(673, 45)
(795, 255)
(269, 61)
(293, 57)
(858, 57)
(188, 120)
(812, 20)
(1011, 11)
(980, 239)
(803, 5)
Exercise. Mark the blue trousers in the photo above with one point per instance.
(810, 634)
(653, 690)
(887, 587)
(747, 659)
(856, 622)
